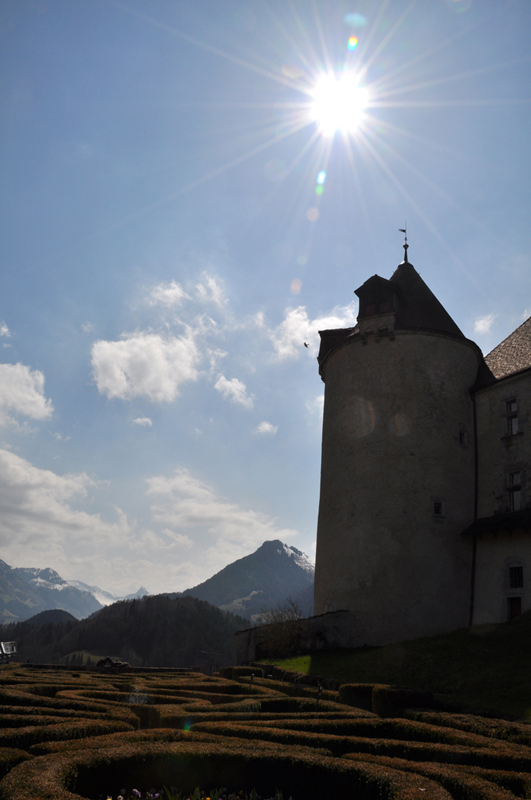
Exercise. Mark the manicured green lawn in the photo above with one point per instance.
(485, 669)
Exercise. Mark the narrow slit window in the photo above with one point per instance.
(516, 577)
(511, 410)
(515, 491)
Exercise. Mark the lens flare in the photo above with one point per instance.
(296, 286)
(338, 103)
(355, 20)
(352, 43)
(321, 177)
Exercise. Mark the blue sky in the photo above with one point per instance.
(178, 218)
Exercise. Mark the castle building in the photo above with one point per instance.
(425, 505)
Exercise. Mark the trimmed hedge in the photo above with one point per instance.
(89, 734)
(295, 689)
(23, 738)
(518, 732)
(241, 672)
(227, 763)
(10, 757)
(461, 783)
(358, 695)
(390, 701)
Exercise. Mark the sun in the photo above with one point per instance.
(338, 103)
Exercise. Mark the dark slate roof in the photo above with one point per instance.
(420, 310)
(513, 354)
(415, 305)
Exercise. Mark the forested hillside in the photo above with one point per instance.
(155, 631)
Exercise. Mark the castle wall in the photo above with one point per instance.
(496, 555)
(284, 639)
(504, 471)
(501, 453)
(397, 484)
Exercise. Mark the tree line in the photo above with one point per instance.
(154, 631)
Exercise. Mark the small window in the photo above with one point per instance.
(462, 437)
(511, 410)
(438, 509)
(514, 607)
(515, 491)
(516, 577)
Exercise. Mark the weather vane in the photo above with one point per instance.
(404, 231)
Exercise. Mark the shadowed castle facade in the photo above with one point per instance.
(425, 506)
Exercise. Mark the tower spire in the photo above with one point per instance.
(404, 231)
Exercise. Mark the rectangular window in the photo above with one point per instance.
(511, 409)
(438, 509)
(515, 491)
(516, 577)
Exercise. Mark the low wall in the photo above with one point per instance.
(282, 639)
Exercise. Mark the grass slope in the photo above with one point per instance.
(486, 669)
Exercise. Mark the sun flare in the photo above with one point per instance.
(338, 103)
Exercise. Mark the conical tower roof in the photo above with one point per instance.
(417, 307)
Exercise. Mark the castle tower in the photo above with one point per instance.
(397, 473)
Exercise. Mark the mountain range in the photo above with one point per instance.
(263, 579)
(26, 591)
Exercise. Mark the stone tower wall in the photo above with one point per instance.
(398, 448)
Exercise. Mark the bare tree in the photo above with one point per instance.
(282, 612)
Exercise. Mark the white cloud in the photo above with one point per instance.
(226, 531)
(4, 330)
(42, 526)
(211, 290)
(234, 391)
(38, 524)
(526, 314)
(144, 421)
(145, 365)
(167, 294)
(178, 539)
(266, 428)
(22, 392)
(316, 405)
(87, 327)
(484, 324)
(297, 328)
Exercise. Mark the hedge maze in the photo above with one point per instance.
(70, 734)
